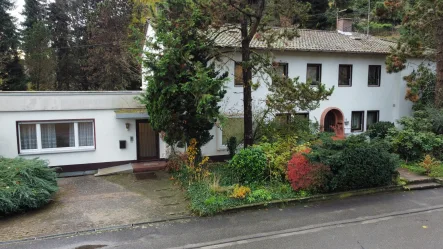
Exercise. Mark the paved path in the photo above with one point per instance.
(407, 220)
(89, 202)
(412, 177)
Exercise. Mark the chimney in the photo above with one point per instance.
(344, 24)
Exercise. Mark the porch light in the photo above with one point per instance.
(346, 122)
(127, 126)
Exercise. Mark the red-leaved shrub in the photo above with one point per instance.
(304, 175)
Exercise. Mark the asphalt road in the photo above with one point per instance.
(391, 220)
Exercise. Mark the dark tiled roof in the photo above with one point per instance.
(316, 40)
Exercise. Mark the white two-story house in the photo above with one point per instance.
(90, 130)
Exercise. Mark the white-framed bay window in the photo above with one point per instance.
(55, 136)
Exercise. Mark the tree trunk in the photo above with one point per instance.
(247, 79)
(439, 59)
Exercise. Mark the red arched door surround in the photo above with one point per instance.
(333, 117)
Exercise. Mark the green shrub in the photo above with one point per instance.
(249, 165)
(259, 195)
(278, 154)
(380, 129)
(415, 139)
(356, 162)
(25, 184)
(232, 146)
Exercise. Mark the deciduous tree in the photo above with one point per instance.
(421, 36)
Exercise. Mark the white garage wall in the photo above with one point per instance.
(100, 106)
(109, 131)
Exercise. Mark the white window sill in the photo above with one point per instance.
(55, 151)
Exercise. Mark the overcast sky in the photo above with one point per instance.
(18, 9)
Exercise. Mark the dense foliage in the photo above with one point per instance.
(304, 175)
(379, 129)
(25, 184)
(422, 29)
(249, 165)
(356, 162)
(416, 138)
(74, 45)
(184, 86)
(11, 69)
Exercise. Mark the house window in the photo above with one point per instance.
(28, 137)
(55, 136)
(282, 69)
(233, 127)
(374, 75)
(283, 118)
(302, 115)
(345, 75)
(313, 73)
(357, 121)
(238, 74)
(372, 118)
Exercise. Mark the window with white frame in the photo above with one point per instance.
(55, 136)
(233, 127)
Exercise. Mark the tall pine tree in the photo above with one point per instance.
(60, 36)
(39, 58)
(11, 69)
(111, 66)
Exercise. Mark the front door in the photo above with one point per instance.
(329, 121)
(147, 141)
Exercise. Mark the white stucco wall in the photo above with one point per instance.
(108, 130)
(99, 106)
(388, 98)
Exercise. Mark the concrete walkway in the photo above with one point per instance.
(89, 202)
(417, 182)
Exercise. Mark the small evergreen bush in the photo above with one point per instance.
(249, 164)
(25, 184)
(232, 146)
(356, 163)
(380, 129)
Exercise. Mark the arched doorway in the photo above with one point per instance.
(332, 121)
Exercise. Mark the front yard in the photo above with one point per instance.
(88, 202)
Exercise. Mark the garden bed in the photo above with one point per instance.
(214, 194)
(283, 171)
(205, 200)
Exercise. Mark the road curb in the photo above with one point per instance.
(101, 229)
(322, 197)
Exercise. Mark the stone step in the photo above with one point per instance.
(149, 166)
(419, 180)
(422, 186)
(412, 178)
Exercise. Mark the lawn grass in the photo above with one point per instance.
(417, 169)
(414, 168)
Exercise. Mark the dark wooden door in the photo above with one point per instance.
(147, 141)
(329, 120)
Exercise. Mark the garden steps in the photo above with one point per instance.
(418, 182)
(412, 178)
(422, 186)
(139, 167)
